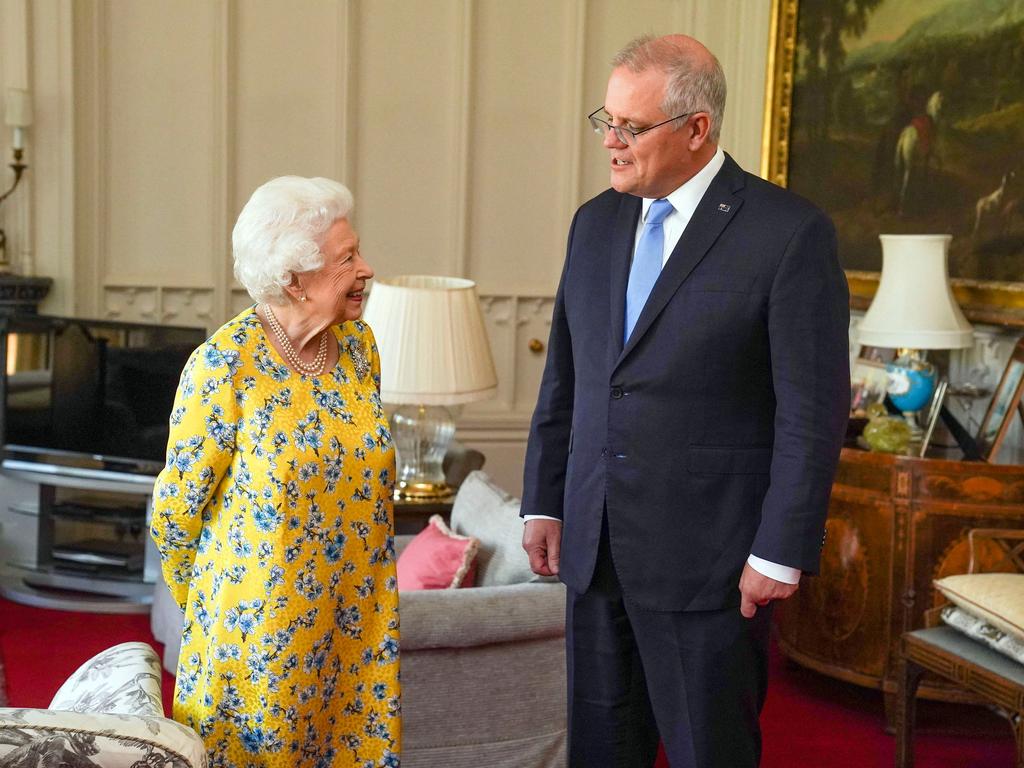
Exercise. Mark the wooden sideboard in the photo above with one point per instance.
(895, 524)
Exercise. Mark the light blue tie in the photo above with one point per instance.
(646, 267)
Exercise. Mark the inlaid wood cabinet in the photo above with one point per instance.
(895, 524)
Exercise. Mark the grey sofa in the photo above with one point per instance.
(483, 668)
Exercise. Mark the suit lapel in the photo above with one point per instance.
(619, 255)
(712, 215)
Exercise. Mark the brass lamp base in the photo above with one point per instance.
(423, 492)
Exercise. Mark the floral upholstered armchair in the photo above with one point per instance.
(108, 714)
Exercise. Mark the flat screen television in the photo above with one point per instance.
(94, 392)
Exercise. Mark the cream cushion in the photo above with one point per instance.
(486, 512)
(998, 598)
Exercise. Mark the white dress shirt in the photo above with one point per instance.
(685, 200)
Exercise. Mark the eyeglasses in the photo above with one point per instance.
(622, 133)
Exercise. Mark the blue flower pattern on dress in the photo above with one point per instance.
(274, 524)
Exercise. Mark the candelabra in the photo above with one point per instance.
(18, 117)
(19, 168)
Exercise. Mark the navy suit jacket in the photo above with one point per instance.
(715, 431)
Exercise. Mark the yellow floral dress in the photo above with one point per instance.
(274, 524)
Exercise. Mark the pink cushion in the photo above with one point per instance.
(437, 559)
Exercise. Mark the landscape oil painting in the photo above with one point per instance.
(907, 116)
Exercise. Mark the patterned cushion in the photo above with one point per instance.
(486, 512)
(998, 598)
(437, 558)
(981, 630)
(43, 737)
(108, 714)
(124, 679)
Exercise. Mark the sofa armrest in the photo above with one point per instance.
(124, 679)
(52, 737)
(462, 618)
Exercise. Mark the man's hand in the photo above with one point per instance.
(542, 540)
(757, 589)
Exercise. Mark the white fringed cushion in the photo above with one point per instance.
(998, 598)
(487, 513)
(981, 630)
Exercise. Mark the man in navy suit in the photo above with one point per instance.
(688, 425)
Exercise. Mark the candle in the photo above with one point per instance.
(18, 113)
(19, 138)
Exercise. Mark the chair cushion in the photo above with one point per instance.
(981, 630)
(123, 680)
(998, 598)
(437, 558)
(44, 737)
(483, 510)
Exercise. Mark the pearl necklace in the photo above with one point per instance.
(306, 369)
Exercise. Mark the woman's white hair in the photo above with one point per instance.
(280, 230)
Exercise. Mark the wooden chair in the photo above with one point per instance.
(944, 651)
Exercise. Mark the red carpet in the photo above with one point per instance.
(809, 720)
(40, 648)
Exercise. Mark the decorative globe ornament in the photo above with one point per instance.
(912, 382)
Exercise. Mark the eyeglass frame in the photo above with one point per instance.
(621, 130)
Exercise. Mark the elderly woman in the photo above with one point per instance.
(273, 515)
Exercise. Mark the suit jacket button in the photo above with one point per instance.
(616, 393)
(604, 453)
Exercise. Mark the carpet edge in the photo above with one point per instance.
(3, 684)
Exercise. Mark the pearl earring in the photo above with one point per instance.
(303, 297)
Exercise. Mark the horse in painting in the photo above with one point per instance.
(915, 146)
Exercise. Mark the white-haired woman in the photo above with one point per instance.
(273, 515)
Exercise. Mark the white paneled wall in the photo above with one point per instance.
(458, 124)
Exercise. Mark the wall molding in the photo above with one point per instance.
(222, 169)
(344, 91)
(103, 83)
(573, 129)
(462, 116)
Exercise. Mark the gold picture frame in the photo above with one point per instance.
(983, 301)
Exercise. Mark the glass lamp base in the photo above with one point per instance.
(422, 434)
(423, 491)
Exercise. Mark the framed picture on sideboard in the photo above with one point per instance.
(1006, 400)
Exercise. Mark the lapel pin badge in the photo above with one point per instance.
(723, 207)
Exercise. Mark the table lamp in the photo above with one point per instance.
(913, 311)
(434, 354)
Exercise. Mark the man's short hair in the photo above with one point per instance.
(693, 85)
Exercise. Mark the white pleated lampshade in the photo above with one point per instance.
(914, 306)
(432, 341)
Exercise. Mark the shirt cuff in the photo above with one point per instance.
(783, 573)
(539, 517)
